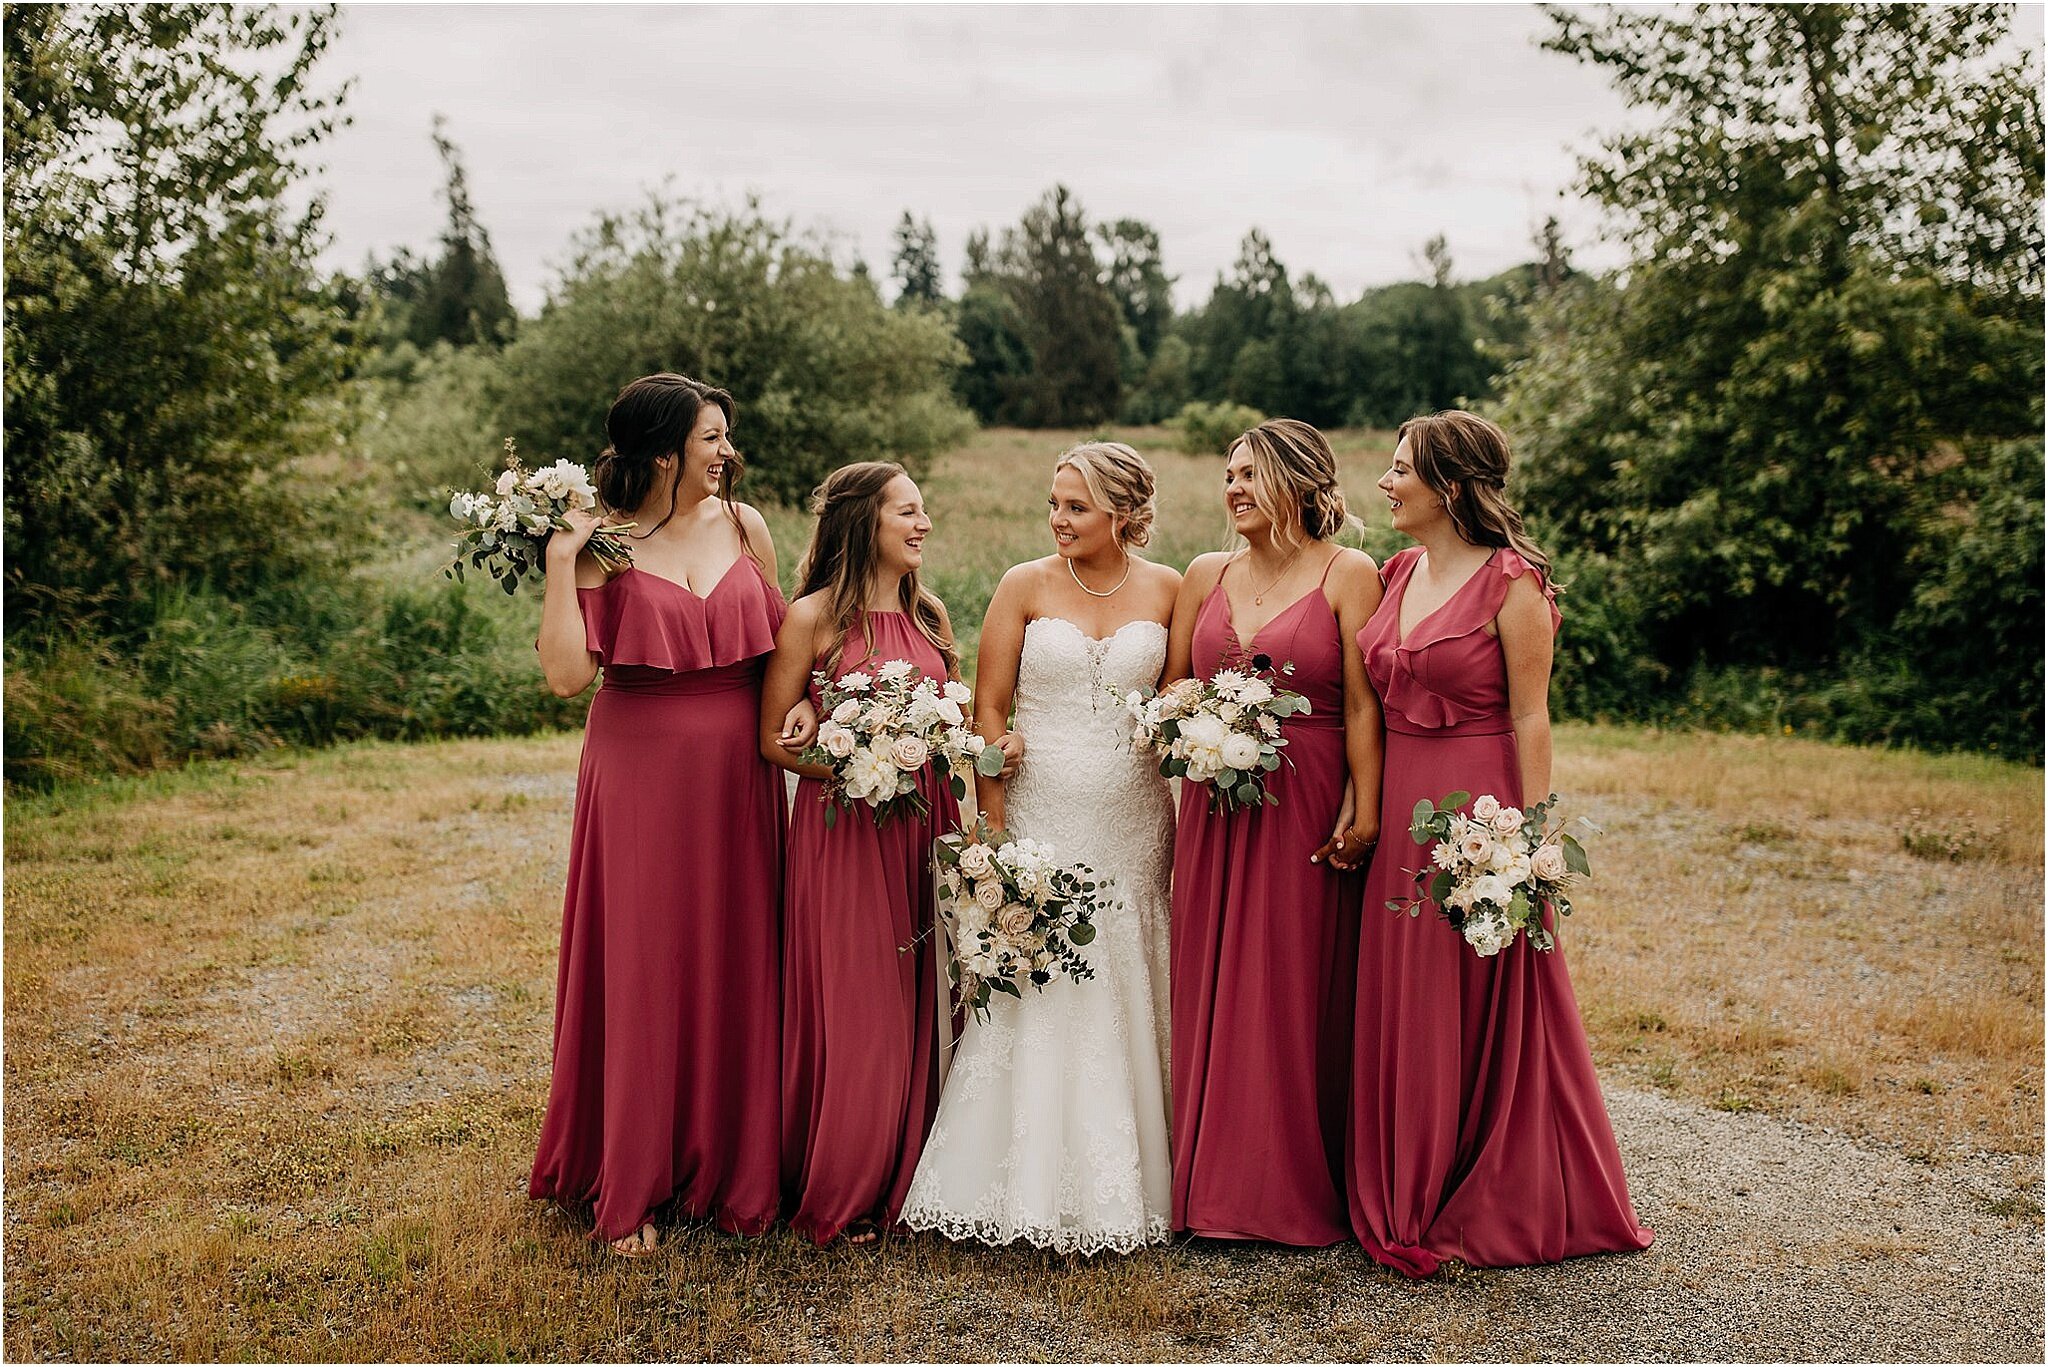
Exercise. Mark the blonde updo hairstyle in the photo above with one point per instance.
(1294, 480)
(1120, 483)
(1464, 460)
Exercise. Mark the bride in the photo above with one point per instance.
(1052, 1125)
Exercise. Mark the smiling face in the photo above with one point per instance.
(1240, 499)
(901, 527)
(1081, 530)
(705, 452)
(1416, 508)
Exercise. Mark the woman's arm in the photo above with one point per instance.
(1187, 605)
(1526, 642)
(788, 676)
(565, 656)
(995, 680)
(1356, 581)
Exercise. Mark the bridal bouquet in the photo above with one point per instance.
(880, 730)
(1493, 871)
(506, 528)
(1016, 915)
(1223, 731)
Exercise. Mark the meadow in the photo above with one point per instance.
(277, 1033)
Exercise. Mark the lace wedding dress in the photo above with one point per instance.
(1052, 1127)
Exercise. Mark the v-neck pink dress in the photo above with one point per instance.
(1262, 958)
(860, 1067)
(1477, 1127)
(667, 1021)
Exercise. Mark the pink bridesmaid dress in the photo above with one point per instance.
(1264, 947)
(860, 1082)
(1478, 1131)
(667, 1024)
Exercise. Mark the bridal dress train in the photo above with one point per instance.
(1052, 1127)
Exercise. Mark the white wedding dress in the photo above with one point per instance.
(1052, 1126)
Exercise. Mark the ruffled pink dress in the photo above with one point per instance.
(1262, 955)
(860, 1080)
(667, 1021)
(1477, 1127)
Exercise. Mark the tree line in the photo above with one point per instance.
(1789, 457)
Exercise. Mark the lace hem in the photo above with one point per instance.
(1158, 1229)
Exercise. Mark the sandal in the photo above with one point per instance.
(861, 1233)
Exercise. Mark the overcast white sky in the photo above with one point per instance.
(1350, 134)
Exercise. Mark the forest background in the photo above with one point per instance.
(1788, 457)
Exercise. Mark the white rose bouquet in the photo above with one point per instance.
(1016, 914)
(506, 528)
(877, 731)
(1493, 870)
(1225, 731)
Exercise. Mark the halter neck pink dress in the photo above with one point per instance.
(860, 1081)
(1477, 1127)
(666, 1020)
(1262, 957)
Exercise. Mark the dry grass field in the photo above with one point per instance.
(276, 1045)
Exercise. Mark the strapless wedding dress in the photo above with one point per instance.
(1052, 1128)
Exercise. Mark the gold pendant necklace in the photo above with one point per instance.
(1259, 594)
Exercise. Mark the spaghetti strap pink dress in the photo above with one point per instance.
(860, 1081)
(667, 1023)
(1263, 952)
(1477, 1127)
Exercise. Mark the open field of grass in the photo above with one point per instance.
(276, 1049)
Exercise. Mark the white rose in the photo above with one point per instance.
(949, 712)
(876, 719)
(1240, 752)
(1517, 871)
(837, 740)
(1506, 821)
(909, 753)
(1204, 735)
(1475, 847)
(989, 892)
(976, 860)
(508, 480)
(1015, 919)
(1492, 888)
(846, 712)
(957, 691)
(1229, 712)
(1548, 863)
(1485, 808)
(1502, 859)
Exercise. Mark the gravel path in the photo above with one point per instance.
(1775, 1240)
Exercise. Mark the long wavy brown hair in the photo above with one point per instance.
(1294, 480)
(1464, 459)
(840, 561)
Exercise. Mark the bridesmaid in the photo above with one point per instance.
(661, 1068)
(859, 1062)
(1477, 1130)
(1264, 933)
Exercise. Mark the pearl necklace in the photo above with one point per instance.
(1109, 593)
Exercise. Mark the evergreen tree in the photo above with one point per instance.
(916, 266)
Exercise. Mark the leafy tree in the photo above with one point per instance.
(916, 268)
(822, 371)
(168, 339)
(1136, 276)
(1835, 287)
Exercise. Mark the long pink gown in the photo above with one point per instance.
(1263, 952)
(860, 1083)
(667, 1025)
(1478, 1131)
